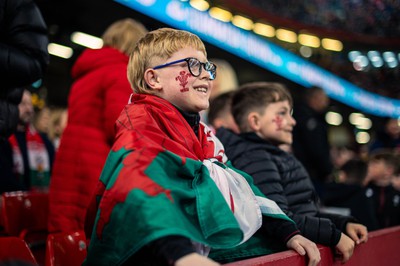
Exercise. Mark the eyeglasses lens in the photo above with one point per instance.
(195, 68)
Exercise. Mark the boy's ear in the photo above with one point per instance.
(389, 170)
(341, 176)
(152, 80)
(253, 120)
(218, 122)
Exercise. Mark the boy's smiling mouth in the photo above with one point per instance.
(201, 89)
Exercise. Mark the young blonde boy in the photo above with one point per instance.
(263, 112)
(166, 195)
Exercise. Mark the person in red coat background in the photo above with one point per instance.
(98, 94)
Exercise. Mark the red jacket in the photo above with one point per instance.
(100, 91)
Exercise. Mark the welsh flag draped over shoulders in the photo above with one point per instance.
(156, 183)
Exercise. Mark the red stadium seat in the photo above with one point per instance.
(66, 249)
(1, 217)
(15, 249)
(24, 212)
(25, 215)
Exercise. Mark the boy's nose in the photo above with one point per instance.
(293, 121)
(205, 74)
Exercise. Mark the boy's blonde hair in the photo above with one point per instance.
(123, 35)
(156, 46)
(256, 96)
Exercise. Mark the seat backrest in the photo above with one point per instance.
(15, 249)
(24, 210)
(66, 249)
(1, 216)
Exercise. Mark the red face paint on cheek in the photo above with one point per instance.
(182, 78)
(278, 121)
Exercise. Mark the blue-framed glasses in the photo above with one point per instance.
(194, 66)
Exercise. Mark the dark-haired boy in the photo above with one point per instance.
(263, 112)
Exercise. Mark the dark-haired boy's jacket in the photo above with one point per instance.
(282, 178)
(356, 198)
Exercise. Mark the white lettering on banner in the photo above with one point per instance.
(372, 102)
(213, 28)
(293, 68)
(146, 2)
(333, 87)
(311, 75)
(176, 11)
(257, 49)
(234, 38)
(315, 77)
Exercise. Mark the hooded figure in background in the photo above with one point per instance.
(23, 56)
(98, 94)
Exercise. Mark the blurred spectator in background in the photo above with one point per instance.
(340, 155)
(225, 81)
(29, 153)
(98, 94)
(383, 169)
(23, 57)
(41, 119)
(219, 112)
(387, 137)
(347, 191)
(310, 136)
(57, 123)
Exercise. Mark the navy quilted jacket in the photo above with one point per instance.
(282, 178)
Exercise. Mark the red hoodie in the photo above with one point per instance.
(100, 91)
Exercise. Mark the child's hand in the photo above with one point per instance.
(194, 259)
(304, 246)
(357, 232)
(345, 247)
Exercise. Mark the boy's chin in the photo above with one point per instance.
(200, 108)
(284, 143)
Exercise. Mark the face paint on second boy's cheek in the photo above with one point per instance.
(182, 78)
(278, 121)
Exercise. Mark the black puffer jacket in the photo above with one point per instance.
(23, 55)
(282, 178)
